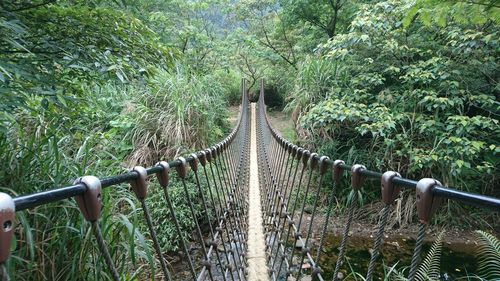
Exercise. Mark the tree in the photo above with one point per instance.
(421, 99)
(329, 16)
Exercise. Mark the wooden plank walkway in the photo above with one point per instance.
(257, 268)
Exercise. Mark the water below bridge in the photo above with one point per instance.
(458, 259)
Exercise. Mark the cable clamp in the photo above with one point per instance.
(7, 215)
(313, 160)
(427, 203)
(356, 178)
(322, 164)
(163, 176)
(182, 168)
(194, 163)
(337, 170)
(139, 185)
(299, 153)
(203, 158)
(90, 202)
(390, 191)
(305, 156)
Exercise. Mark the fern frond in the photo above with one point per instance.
(430, 267)
(488, 256)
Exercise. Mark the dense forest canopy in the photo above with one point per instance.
(95, 87)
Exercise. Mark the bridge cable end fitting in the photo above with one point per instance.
(427, 203)
(182, 168)
(389, 190)
(213, 151)
(323, 165)
(163, 176)
(313, 160)
(208, 154)
(139, 185)
(337, 170)
(7, 215)
(90, 202)
(194, 162)
(356, 178)
(294, 150)
(203, 158)
(305, 156)
(300, 152)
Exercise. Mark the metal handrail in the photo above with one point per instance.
(447, 192)
(9, 206)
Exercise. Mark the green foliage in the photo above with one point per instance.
(429, 268)
(315, 79)
(49, 148)
(161, 216)
(49, 141)
(52, 50)
(488, 253)
(85, 88)
(198, 30)
(230, 81)
(267, 47)
(440, 12)
(328, 17)
(181, 112)
(39, 154)
(418, 99)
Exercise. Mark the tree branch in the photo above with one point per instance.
(272, 47)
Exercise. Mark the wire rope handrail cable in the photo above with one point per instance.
(292, 184)
(223, 168)
(286, 201)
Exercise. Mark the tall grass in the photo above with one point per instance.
(112, 127)
(48, 146)
(182, 111)
(313, 82)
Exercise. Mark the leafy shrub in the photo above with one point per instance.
(162, 218)
(417, 100)
(230, 82)
(50, 51)
(48, 146)
(94, 136)
(82, 86)
(313, 82)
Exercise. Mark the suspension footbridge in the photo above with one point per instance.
(261, 197)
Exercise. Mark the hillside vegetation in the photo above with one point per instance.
(97, 87)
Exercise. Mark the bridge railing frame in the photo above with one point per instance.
(224, 167)
(276, 152)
